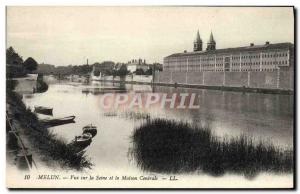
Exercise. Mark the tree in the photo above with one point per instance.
(149, 71)
(96, 73)
(14, 64)
(12, 57)
(30, 64)
(123, 70)
(139, 71)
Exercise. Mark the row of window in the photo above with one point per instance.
(243, 70)
(244, 66)
(264, 69)
(236, 57)
(263, 63)
(234, 70)
(264, 55)
(237, 64)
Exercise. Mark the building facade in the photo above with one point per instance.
(267, 57)
(258, 66)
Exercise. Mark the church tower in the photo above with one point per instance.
(211, 45)
(198, 43)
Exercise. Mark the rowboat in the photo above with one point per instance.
(82, 141)
(90, 129)
(58, 121)
(43, 110)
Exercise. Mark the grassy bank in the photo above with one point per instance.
(174, 147)
(47, 144)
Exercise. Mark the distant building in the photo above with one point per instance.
(268, 66)
(136, 64)
(267, 57)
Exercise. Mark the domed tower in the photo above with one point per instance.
(198, 43)
(211, 45)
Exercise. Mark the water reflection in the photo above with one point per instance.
(263, 116)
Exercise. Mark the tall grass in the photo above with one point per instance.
(169, 146)
(50, 147)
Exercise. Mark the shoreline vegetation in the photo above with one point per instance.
(46, 144)
(169, 146)
(26, 124)
(41, 85)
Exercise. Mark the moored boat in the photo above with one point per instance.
(82, 141)
(90, 129)
(58, 121)
(43, 110)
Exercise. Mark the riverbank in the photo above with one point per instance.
(223, 88)
(47, 145)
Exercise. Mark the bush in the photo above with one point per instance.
(97, 73)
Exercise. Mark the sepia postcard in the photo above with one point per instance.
(150, 97)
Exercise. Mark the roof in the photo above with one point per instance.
(211, 38)
(285, 45)
(198, 39)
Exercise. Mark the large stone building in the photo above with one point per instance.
(136, 64)
(277, 58)
(267, 57)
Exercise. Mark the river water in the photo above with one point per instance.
(262, 116)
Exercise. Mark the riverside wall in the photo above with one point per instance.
(278, 79)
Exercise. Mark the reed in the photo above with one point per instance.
(170, 146)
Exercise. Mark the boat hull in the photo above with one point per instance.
(58, 121)
(81, 142)
(92, 131)
(43, 110)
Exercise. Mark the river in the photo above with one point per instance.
(265, 117)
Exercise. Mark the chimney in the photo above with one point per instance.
(267, 43)
(251, 44)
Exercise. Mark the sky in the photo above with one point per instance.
(71, 35)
